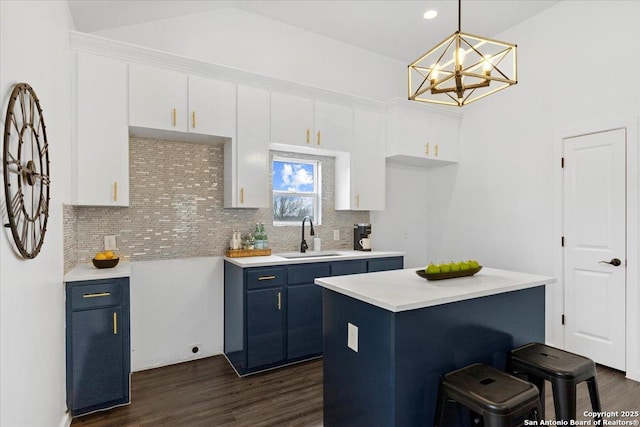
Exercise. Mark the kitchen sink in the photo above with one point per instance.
(297, 255)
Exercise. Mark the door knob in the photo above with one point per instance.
(615, 262)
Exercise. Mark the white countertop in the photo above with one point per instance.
(89, 272)
(402, 290)
(275, 259)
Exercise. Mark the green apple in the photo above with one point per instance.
(464, 266)
(473, 263)
(432, 268)
(445, 268)
(454, 266)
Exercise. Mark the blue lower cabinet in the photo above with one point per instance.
(265, 323)
(273, 314)
(98, 344)
(304, 310)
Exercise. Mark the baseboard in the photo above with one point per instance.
(635, 376)
(66, 420)
(146, 366)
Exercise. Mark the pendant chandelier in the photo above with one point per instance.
(463, 68)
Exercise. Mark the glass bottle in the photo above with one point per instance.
(256, 235)
(263, 236)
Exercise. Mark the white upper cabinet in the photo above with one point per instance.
(101, 140)
(246, 159)
(333, 126)
(360, 174)
(300, 121)
(158, 98)
(212, 107)
(291, 120)
(445, 133)
(368, 162)
(421, 138)
(168, 100)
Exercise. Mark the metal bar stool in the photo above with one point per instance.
(539, 362)
(493, 396)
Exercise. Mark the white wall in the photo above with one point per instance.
(175, 304)
(33, 49)
(498, 205)
(402, 226)
(249, 42)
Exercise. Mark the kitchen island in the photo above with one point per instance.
(389, 336)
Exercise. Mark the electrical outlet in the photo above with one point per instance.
(336, 235)
(110, 243)
(195, 349)
(352, 337)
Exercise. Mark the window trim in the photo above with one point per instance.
(316, 194)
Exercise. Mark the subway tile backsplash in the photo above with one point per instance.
(176, 209)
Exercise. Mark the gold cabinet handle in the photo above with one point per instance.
(175, 113)
(318, 137)
(193, 119)
(436, 150)
(426, 149)
(115, 191)
(115, 323)
(358, 200)
(98, 295)
(279, 301)
(242, 195)
(266, 277)
(308, 135)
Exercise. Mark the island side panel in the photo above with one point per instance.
(234, 339)
(358, 386)
(435, 340)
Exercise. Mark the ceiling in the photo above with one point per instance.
(393, 28)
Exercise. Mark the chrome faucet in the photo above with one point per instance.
(303, 244)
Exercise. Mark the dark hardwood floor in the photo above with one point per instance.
(207, 392)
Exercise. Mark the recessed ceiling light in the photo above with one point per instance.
(430, 14)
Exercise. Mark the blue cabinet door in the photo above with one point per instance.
(265, 326)
(304, 327)
(304, 310)
(98, 356)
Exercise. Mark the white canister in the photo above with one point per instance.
(316, 244)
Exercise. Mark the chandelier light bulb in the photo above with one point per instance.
(486, 64)
(435, 71)
(458, 56)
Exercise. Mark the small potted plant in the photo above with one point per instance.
(248, 241)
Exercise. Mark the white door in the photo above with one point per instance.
(594, 239)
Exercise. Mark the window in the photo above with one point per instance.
(296, 191)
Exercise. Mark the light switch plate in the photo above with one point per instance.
(336, 235)
(110, 243)
(352, 337)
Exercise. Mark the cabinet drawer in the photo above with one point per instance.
(97, 293)
(384, 264)
(307, 273)
(342, 268)
(265, 277)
